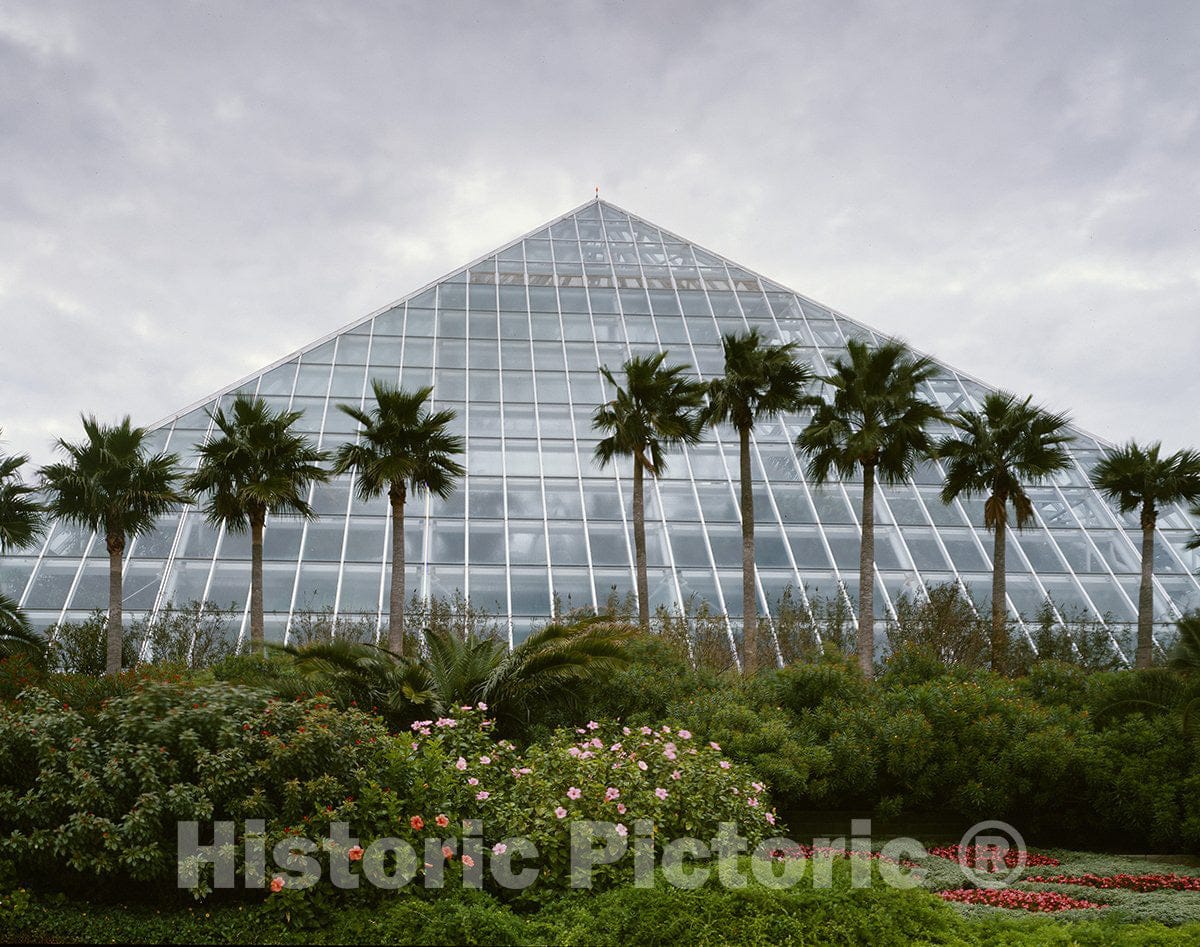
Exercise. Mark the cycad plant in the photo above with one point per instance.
(255, 465)
(403, 447)
(1143, 478)
(457, 669)
(995, 453)
(112, 484)
(655, 408)
(761, 382)
(877, 422)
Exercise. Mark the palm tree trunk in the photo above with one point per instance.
(256, 582)
(999, 603)
(866, 576)
(115, 631)
(750, 655)
(1145, 636)
(396, 598)
(639, 544)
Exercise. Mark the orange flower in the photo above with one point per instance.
(417, 823)
(276, 884)
(356, 853)
(442, 821)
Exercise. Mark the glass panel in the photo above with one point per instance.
(324, 539)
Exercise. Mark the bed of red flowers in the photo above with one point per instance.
(1151, 882)
(1046, 901)
(820, 851)
(1012, 857)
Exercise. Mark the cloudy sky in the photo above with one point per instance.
(189, 191)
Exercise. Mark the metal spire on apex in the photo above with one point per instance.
(597, 192)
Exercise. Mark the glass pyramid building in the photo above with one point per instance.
(513, 342)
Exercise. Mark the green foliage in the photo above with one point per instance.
(99, 795)
(755, 914)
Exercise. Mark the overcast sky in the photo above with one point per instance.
(189, 191)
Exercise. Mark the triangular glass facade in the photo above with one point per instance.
(512, 342)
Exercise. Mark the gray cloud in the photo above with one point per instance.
(190, 191)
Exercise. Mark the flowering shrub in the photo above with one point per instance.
(603, 773)
(1012, 857)
(1149, 882)
(1047, 901)
(101, 794)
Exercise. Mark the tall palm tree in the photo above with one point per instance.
(996, 452)
(403, 447)
(20, 524)
(257, 465)
(1135, 476)
(875, 421)
(109, 482)
(20, 514)
(658, 408)
(761, 382)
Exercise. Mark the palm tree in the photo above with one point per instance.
(110, 483)
(257, 465)
(20, 513)
(20, 524)
(658, 408)
(1135, 476)
(876, 422)
(761, 382)
(403, 447)
(996, 452)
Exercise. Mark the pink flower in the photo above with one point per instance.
(447, 853)
(355, 854)
(752, 802)
(417, 823)
(560, 812)
(499, 848)
(758, 787)
(472, 781)
(685, 734)
(661, 793)
(677, 775)
(482, 794)
(770, 817)
(574, 751)
(574, 793)
(724, 764)
(276, 884)
(715, 747)
(621, 808)
(468, 861)
(461, 764)
(621, 830)
(592, 725)
(646, 731)
(481, 705)
(611, 793)
(442, 821)
(597, 743)
(642, 765)
(625, 730)
(615, 747)
(485, 760)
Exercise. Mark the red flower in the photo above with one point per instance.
(417, 823)
(1048, 901)
(276, 884)
(355, 854)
